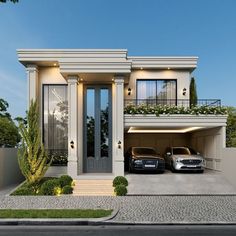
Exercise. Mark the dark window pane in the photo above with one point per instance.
(90, 122)
(104, 119)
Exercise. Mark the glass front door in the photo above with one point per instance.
(97, 129)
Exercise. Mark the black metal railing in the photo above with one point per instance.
(59, 156)
(172, 102)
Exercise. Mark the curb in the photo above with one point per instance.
(169, 223)
(61, 221)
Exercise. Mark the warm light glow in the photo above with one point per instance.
(181, 130)
(141, 68)
(112, 79)
(168, 68)
(55, 64)
(81, 79)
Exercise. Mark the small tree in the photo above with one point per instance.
(32, 158)
(231, 128)
(4, 1)
(9, 135)
(193, 93)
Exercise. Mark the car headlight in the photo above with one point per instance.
(138, 161)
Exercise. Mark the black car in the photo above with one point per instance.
(143, 159)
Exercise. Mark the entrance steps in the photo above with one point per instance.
(100, 187)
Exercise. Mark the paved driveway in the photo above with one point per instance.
(210, 182)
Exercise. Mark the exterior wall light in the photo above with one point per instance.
(129, 91)
(72, 144)
(119, 144)
(184, 91)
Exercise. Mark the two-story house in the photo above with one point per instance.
(82, 95)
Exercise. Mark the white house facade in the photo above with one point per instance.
(82, 94)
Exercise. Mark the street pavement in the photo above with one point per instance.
(140, 209)
(118, 230)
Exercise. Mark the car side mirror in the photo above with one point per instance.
(168, 154)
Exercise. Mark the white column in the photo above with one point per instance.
(32, 79)
(72, 168)
(118, 125)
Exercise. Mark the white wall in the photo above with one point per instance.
(229, 164)
(182, 77)
(9, 169)
(209, 143)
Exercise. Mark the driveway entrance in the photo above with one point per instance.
(210, 182)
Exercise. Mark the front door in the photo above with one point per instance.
(97, 129)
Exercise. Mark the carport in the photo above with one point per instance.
(204, 133)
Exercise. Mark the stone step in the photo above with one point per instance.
(93, 188)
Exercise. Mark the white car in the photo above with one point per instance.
(184, 158)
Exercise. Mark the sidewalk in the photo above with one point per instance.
(140, 209)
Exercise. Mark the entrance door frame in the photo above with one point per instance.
(97, 110)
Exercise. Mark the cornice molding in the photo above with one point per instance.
(100, 60)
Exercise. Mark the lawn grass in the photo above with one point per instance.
(54, 213)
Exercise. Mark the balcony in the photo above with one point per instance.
(172, 114)
(172, 102)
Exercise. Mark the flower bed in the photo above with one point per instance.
(169, 110)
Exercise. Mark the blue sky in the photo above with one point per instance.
(204, 28)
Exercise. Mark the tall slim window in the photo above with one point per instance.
(55, 128)
(156, 91)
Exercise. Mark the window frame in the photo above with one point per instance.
(43, 86)
(155, 79)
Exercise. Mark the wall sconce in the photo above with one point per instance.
(184, 91)
(119, 144)
(129, 91)
(72, 144)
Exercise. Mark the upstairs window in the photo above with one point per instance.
(157, 92)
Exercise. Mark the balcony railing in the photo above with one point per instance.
(172, 102)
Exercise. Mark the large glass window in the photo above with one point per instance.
(156, 91)
(55, 128)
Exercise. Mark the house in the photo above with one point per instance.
(82, 95)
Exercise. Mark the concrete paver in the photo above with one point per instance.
(210, 182)
(140, 209)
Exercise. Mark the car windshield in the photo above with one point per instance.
(181, 151)
(144, 151)
(192, 151)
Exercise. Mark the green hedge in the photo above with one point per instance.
(169, 110)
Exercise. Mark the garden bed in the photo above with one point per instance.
(46, 186)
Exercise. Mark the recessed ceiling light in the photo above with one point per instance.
(55, 64)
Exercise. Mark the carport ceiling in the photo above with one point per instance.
(163, 129)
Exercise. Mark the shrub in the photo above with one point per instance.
(120, 180)
(67, 189)
(120, 190)
(50, 187)
(23, 191)
(65, 180)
